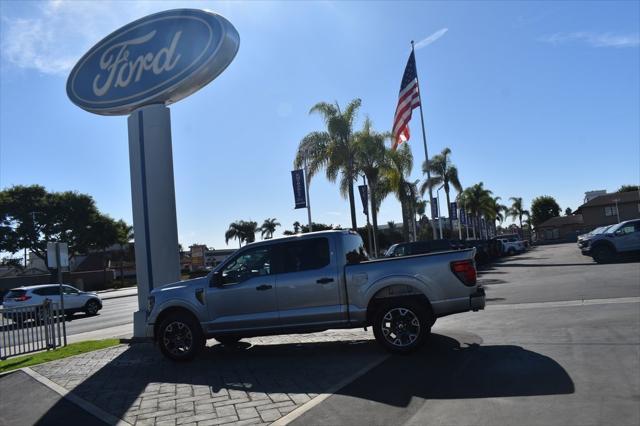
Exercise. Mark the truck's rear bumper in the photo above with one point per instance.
(477, 300)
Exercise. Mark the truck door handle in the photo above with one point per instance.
(324, 280)
(264, 287)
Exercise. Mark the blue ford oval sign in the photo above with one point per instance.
(158, 59)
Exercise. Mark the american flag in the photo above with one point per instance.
(408, 99)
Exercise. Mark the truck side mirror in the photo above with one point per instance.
(215, 280)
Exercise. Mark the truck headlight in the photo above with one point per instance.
(151, 300)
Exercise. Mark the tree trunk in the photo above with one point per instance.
(446, 191)
(374, 219)
(405, 220)
(352, 206)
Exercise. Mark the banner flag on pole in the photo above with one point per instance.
(434, 208)
(299, 194)
(364, 196)
(408, 99)
(454, 210)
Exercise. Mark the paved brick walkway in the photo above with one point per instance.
(255, 384)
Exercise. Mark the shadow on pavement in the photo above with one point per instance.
(444, 369)
(441, 369)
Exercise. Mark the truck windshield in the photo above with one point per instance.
(354, 249)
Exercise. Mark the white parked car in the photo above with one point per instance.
(74, 299)
(512, 247)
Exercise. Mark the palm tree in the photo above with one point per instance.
(333, 149)
(442, 172)
(371, 158)
(516, 210)
(394, 180)
(477, 201)
(234, 231)
(243, 231)
(249, 229)
(496, 211)
(268, 228)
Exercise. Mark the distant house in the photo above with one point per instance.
(610, 208)
(561, 229)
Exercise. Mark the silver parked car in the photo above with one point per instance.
(35, 295)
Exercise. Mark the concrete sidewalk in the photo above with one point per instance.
(117, 293)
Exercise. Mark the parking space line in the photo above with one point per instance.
(332, 390)
(69, 395)
(560, 304)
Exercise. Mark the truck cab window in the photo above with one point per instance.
(354, 249)
(305, 255)
(251, 263)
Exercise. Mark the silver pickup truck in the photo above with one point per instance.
(309, 283)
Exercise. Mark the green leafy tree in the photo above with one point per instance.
(568, 211)
(371, 158)
(443, 172)
(124, 236)
(268, 228)
(628, 188)
(333, 149)
(30, 217)
(543, 208)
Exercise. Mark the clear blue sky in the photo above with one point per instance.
(532, 98)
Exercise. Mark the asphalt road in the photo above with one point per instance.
(559, 362)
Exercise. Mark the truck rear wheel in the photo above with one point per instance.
(402, 325)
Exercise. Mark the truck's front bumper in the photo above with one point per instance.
(477, 299)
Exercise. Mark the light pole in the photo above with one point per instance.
(306, 183)
(438, 208)
(617, 212)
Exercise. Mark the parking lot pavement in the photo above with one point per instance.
(526, 360)
(557, 272)
(45, 407)
(260, 383)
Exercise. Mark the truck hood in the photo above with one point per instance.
(195, 282)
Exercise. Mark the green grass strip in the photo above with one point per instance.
(54, 354)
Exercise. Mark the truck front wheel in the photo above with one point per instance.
(180, 337)
(402, 325)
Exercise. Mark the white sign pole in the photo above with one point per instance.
(154, 205)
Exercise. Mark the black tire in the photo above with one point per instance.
(603, 254)
(402, 325)
(180, 337)
(92, 307)
(230, 341)
(511, 251)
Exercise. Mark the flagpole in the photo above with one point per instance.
(424, 141)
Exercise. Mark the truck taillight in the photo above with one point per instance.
(465, 271)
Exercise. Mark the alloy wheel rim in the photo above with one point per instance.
(92, 308)
(177, 338)
(400, 327)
